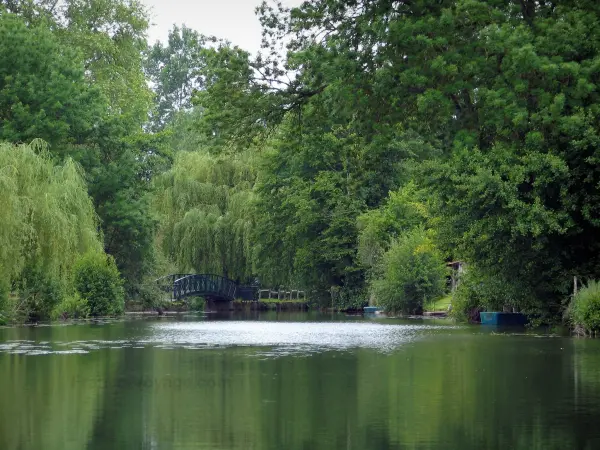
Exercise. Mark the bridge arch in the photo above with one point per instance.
(214, 287)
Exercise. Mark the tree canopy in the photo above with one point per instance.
(46, 220)
(364, 129)
(490, 107)
(206, 207)
(44, 92)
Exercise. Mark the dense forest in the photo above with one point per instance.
(369, 144)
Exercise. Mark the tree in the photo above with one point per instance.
(43, 90)
(314, 183)
(98, 282)
(184, 134)
(119, 171)
(403, 211)
(109, 37)
(73, 77)
(175, 73)
(504, 91)
(205, 203)
(46, 220)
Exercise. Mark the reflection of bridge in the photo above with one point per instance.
(210, 286)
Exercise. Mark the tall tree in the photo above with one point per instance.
(119, 170)
(110, 37)
(47, 220)
(78, 75)
(206, 207)
(43, 89)
(174, 70)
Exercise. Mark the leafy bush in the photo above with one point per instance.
(412, 272)
(97, 280)
(71, 307)
(584, 310)
(403, 210)
(39, 292)
(466, 304)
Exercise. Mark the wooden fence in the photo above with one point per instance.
(281, 294)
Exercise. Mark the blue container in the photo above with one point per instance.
(502, 318)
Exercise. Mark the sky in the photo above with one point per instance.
(233, 20)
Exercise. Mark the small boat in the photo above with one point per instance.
(370, 309)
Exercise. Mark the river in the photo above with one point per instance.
(295, 381)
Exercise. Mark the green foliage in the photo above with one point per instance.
(46, 220)
(504, 91)
(146, 294)
(123, 204)
(511, 241)
(402, 211)
(206, 207)
(312, 186)
(183, 133)
(238, 103)
(39, 293)
(584, 310)
(43, 89)
(174, 70)
(196, 303)
(71, 307)
(111, 37)
(72, 75)
(491, 291)
(465, 308)
(352, 295)
(97, 280)
(119, 170)
(477, 120)
(439, 304)
(412, 273)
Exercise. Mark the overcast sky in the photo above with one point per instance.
(233, 20)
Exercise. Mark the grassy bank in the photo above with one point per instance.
(439, 304)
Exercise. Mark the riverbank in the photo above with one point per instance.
(174, 308)
(270, 305)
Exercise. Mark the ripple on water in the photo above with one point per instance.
(273, 339)
(283, 338)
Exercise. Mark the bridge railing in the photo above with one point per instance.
(181, 285)
(204, 285)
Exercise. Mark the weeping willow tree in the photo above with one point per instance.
(205, 203)
(46, 221)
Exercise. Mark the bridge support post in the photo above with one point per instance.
(218, 305)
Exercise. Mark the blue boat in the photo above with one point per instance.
(370, 309)
(503, 318)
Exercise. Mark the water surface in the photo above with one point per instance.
(295, 381)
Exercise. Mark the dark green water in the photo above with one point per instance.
(295, 382)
